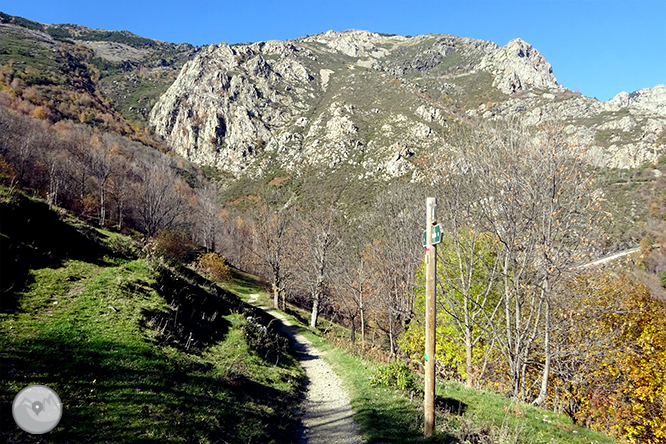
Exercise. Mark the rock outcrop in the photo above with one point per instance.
(518, 67)
(375, 101)
(649, 99)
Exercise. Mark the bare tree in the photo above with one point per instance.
(318, 219)
(351, 274)
(158, 203)
(319, 235)
(102, 148)
(567, 218)
(274, 231)
(208, 215)
(398, 246)
(55, 160)
(237, 244)
(80, 157)
(467, 290)
(536, 200)
(121, 183)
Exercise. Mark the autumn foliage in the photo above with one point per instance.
(621, 329)
(214, 267)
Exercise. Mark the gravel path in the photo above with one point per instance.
(327, 414)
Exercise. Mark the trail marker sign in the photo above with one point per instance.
(436, 235)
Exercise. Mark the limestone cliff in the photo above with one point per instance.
(376, 100)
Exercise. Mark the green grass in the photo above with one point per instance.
(244, 284)
(387, 415)
(22, 51)
(140, 353)
(138, 93)
(478, 89)
(137, 353)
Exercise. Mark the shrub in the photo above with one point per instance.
(39, 113)
(263, 340)
(174, 245)
(214, 267)
(123, 245)
(395, 375)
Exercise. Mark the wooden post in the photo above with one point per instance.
(430, 315)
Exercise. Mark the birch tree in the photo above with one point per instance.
(158, 203)
(530, 195)
(208, 215)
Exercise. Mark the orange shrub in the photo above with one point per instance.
(214, 267)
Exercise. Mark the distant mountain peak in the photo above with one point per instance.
(518, 66)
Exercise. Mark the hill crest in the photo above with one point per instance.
(369, 99)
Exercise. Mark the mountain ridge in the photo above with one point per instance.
(367, 99)
(321, 98)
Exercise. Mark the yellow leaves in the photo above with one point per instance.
(625, 393)
(39, 113)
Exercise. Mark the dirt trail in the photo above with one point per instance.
(327, 414)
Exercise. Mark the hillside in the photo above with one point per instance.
(140, 352)
(372, 100)
(380, 101)
(74, 71)
(137, 350)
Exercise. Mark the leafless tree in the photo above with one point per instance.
(55, 161)
(274, 231)
(396, 254)
(80, 157)
(467, 265)
(318, 224)
(208, 220)
(351, 274)
(319, 235)
(102, 148)
(537, 201)
(158, 203)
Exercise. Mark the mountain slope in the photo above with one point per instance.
(125, 72)
(376, 100)
(366, 99)
(138, 352)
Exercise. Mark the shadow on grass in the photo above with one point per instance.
(391, 422)
(32, 237)
(194, 319)
(450, 405)
(246, 281)
(120, 394)
(394, 422)
(300, 316)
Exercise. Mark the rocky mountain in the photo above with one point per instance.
(376, 100)
(354, 97)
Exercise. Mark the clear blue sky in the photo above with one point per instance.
(601, 47)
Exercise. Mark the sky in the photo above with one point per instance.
(600, 47)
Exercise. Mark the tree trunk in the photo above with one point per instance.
(120, 214)
(362, 327)
(391, 337)
(315, 310)
(352, 334)
(468, 356)
(543, 392)
(276, 297)
(102, 205)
